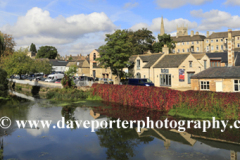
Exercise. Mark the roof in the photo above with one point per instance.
(145, 58)
(152, 59)
(199, 56)
(188, 38)
(223, 57)
(223, 34)
(218, 72)
(171, 61)
(132, 58)
(55, 62)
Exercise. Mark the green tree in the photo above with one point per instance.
(2, 46)
(67, 80)
(143, 40)
(70, 58)
(19, 63)
(33, 48)
(49, 52)
(3, 83)
(164, 39)
(115, 54)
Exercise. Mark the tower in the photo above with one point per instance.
(162, 28)
(182, 30)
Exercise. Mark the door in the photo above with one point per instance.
(219, 87)
(189, 77)
(94, 73)
(165, 80)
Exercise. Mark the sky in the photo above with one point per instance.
(77, 27)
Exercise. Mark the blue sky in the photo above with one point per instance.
(75, 27)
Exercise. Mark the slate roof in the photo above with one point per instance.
(223, 34)
(218, 72)
(145, 58)
(55, 62)
(188, 38)
(152, 59)
(171, 61)
(79, 62)
(223, 57)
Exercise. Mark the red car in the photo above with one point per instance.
(58, 81)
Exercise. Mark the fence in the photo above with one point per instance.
(35, 83)
(84, 83)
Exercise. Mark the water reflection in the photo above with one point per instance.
(110, 143)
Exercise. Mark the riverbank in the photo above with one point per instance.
(189, 104)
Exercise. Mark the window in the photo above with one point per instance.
(165, 80)
(205, 64)
(138, 64)
(206, 41)
(182, 43)
(238, 38)
(197, 42)
(190, 64)
(204, 85)
(77, 63)
(215, 63)
(198, 49)
(144, 76)
(94, 56)
(192, 49)
(187, 50)
(212, 48)
(207, 48)
(226, 40)
(192, 42)
(221, 40)
(238, 45)
(217, 47)
(173, 50)
(212, 41)
(221, 47)
(187, 43)
(216, 40)
(183, 50)
(237, 85)
(94, 65)
(178, 50)
(189, 77)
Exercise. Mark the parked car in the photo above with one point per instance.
(139, 82)
(54, 77)
(58, 81)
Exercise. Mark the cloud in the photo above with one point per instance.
(169, 25)
(38, 26)
(3, 3)
(130, 5)
(232, 2)
(177, 3)
(216, 20)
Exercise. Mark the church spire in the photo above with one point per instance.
(162, 28)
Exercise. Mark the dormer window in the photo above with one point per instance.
(94, 56)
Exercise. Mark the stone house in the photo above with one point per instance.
(221, 78)
(82, 65)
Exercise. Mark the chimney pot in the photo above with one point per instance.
(197, 33)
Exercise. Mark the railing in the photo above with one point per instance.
(84, 83)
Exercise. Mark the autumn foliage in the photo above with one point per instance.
(164, 99)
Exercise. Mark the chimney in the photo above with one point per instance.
(230, 49)
(192, 33)
(197, 33)
(165, 49)
(207, 33)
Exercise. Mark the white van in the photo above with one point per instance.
(54, 77)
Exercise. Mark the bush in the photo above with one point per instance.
(222, 105)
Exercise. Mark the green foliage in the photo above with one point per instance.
(19, 63)
(49, 52)
(115, 54)
(143, 40)
(67, 80)
(2, 46)
(3, 83)
(70, 58)
(164, 39)
(66, 94)
(33, 48)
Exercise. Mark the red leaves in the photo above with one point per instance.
(164, 99)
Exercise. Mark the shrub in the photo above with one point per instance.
(3, 83)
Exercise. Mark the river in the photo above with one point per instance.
(120, 144)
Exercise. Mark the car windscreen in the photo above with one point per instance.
(145, 81)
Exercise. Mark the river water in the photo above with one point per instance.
(120, 144)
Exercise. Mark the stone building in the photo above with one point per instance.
(220, 78)
(32, 54)
(83, 67)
